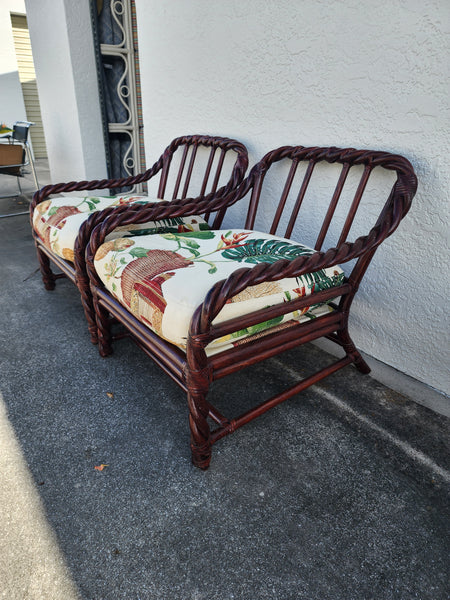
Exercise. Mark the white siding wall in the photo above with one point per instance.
(362, 74)
(12, 107)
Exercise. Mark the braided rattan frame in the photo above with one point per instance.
(194, 371)
(188, 145)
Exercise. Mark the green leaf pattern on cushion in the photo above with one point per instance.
(257, 328)
(269, 251)
(182, 237)
(135, 252)
(164, 226)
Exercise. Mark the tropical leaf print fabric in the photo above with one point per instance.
(262, 250)
(163, 278)
(58, 221)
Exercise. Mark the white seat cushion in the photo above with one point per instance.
(163, 278)
(58, 221)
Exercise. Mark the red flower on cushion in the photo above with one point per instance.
(234, 241)
(184, 228)
(300, 291)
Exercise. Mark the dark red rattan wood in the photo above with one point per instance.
(188, 145)
(194, 371)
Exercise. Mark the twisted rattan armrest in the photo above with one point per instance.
(96, 184)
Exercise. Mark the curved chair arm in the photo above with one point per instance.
(96, 184)
(245, 277)
(95, 229)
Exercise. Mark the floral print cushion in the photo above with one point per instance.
(58, 221)
(163, 278)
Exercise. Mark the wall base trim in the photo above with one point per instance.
(420, 392)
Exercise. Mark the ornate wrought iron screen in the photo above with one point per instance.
(114, 24)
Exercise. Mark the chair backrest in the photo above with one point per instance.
(20, 131)
(199, 165)
(287, 209)
(330, 196)
(223, 171)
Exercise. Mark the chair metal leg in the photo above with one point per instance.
(31, 161)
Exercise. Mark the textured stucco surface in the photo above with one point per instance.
(350, 73)
(63, 52)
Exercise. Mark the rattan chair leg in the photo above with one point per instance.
(48, 277)
(351, 350)
(86, 299)
(201, 446)
(104, 337)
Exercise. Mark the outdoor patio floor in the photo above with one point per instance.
(340, 493)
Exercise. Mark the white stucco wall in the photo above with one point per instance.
(348, 73)
(12, 107)
(63, 52)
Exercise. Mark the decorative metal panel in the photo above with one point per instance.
(117, 61)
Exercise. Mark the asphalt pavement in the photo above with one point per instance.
(340, 493)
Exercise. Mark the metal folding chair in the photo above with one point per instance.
(15, 154)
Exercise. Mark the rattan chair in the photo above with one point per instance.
(196, 165)
(203, 306)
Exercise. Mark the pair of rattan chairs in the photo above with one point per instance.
(204, 301)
